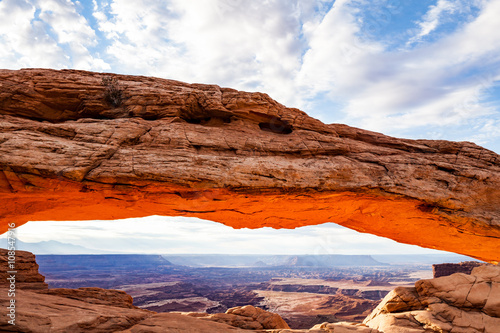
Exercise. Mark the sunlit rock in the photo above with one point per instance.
(455, 303)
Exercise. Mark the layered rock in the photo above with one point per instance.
(93, 295)
(78, 145)
(465, 267)
(455, 303)
(42, 313)
(24, 268)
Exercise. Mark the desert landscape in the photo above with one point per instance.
(335, 288)
(279, 305)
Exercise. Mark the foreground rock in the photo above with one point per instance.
(26, 268)
(78, 145)
(101, 296)
(455, 303)
(42, 313)
(246, 317)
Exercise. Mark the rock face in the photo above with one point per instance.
(455, 303)
(78, 145)
(42, 313)
(26, 268)
(465, 267)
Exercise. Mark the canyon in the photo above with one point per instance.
(455, 303)
(69, 151)
(330, 288)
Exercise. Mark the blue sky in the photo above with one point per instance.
(415, 69)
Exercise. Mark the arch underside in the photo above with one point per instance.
(402, 219)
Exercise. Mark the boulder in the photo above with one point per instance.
(246, 317)
(455, 303)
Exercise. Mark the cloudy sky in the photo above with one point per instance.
(414, 68)
(180, 235)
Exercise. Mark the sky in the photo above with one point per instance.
(183, 235)
(415, 69)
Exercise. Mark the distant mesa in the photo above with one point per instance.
(334, 260)
(108, 261)
(52, 247)
(259, 263)
(465, 267)
(372, 283)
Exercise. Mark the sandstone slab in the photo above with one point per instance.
(40, 313)
(93, 295)
(177, 323)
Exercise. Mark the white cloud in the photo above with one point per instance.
(440, 83)
(242, 44)
(431, 20)
(24, 43)
(46, 33)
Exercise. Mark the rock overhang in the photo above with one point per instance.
(171, 148)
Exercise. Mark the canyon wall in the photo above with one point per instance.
(78, 145)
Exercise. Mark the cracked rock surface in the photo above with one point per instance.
(455, 303)
(242, 159)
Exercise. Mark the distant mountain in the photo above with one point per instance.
(105, 262)
(223, 260)
(52, 247)
(331, 261)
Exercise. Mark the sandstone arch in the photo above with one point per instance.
(242, 159)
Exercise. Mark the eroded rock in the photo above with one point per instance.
(177, 323)
(246, 317)
(94, 295)
(172, 148)
(455, 303)
(25, 268)
(41, 313)
(465, 267)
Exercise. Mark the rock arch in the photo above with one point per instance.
(66, 153)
